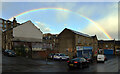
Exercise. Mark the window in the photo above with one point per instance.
(90, 43)
(106, 46)
(78, 40)
(85, 44)
(1, 21)
(66, 50)
(111, 45)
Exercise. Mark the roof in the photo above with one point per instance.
(117, 42)
(94, 36)
(26, 39)
(79, 33)
(100, 41)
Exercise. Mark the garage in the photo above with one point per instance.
(108, 51)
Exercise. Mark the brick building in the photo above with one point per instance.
(74, 43)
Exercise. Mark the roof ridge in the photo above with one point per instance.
(26, 22)
(80, 33)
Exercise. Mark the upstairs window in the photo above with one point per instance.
(106, 46)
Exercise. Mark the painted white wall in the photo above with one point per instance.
(27, 30)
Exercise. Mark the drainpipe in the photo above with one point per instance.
(114, 47)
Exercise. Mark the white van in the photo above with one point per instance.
(100, 57)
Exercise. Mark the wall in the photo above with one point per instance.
(0, 40)
(117, 46)
(95, 46)
(42, 54)
(102, 45)
(66, 41)
(87, 42)
(27, 30)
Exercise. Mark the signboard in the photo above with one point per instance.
(79, 48)
(36, 47)
(87, 48)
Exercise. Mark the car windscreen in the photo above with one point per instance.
(56, 54)
(11, 51)
(77, 59)
(62, 55)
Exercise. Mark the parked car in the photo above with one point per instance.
(89, 58)
(51, 55)
(60, 56)
(78, 63)
(100, 58)
(9, 53)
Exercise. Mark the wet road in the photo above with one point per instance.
(22, 64)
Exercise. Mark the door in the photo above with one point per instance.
(108, 51)
(79, 53)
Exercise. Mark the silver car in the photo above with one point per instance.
(60, 56)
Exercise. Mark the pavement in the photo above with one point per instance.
(22, 64)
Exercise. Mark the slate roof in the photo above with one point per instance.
(79, 33)
(105, 41)
(117, 42)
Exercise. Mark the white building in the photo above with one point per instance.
(27, 30)
(27, 36)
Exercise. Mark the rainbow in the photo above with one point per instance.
(66, 10)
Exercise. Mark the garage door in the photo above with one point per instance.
(108, 51)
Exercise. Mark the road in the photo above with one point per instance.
(22, 64)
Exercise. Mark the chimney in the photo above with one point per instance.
(14, 22)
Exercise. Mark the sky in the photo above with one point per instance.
(105, 14)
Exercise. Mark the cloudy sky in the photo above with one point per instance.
(105, 14)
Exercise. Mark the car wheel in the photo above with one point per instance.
(60, 59)
(87, 65)
(103, 61)
(97, 61)
(67, 59)
(70, 67)
(81, 66)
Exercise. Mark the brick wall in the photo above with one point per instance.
(41, 54)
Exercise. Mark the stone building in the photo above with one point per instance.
(25, 39)
(117, 47)
(7, 32)
(51, 41)
(106, 46)
(74, 43)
